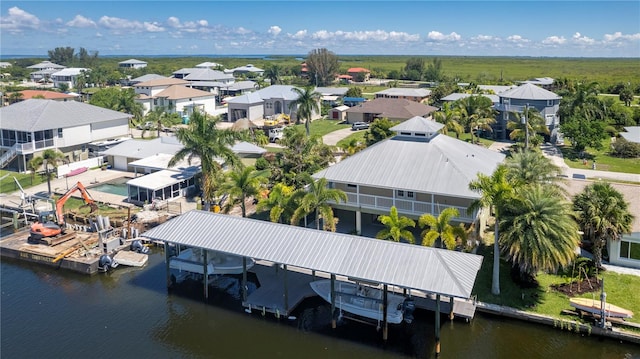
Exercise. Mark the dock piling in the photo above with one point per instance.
(333, 301)
(385, 302)
(437, 333)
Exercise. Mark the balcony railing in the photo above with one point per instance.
(404, 206)
(29, 147)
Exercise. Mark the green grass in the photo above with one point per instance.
(323, 126)
(77, 205)
(467, 138)
(604, 161)
(359, 135)
(621, 290)
(8, 185)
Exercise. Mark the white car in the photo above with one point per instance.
(359, 126)
(275, 134)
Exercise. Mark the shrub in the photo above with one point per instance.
(625, 149)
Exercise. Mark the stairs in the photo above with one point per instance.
(9, 155)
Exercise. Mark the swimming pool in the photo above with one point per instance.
(116, 186)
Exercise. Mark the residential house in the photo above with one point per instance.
(67, 76)
(418, 171)
(392, 109)
(244, 70)
(413, 94)
(49, 95)
(332, 96)
(46, 65)
(237, 88)
(124, 154)
(359, 74)
(544, 82)
(29, 127)
(269, 101)
(4, 65)
(338, 113)
(631, 134)
(514, 101)
(203, 74)
(144, 78)
(132, 64)
(174, 96)
(209, 65)
(44, 70)
(458, 96)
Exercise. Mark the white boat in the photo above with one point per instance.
(361, 300)
(192, 260)
(595, 307)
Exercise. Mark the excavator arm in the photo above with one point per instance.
(88, 200)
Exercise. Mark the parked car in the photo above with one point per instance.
(275, 134)
(359, 126)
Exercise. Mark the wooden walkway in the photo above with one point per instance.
(270, 297)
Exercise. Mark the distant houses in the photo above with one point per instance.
(132, 64)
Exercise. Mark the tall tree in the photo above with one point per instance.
(434, 70)
(202, 139)
(322, 66)
(531, 167)
(301, 155)
(116, 99)
(33, 165)
(307, 104)
(602, 214)
(281, 203)
(476, 113)
(51, 158)
(414, 68)
(449, 117)
(317, 199)
(379, 130)
(272, 73)
(583, 115)
(396, 227)
(538, 231)
(440, 229)
(243, 183)
(62, 55)
(494, 191)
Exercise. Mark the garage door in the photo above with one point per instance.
(120, 163)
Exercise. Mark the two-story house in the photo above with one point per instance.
(44, 70)
(418, 171)
(269, 101)
(514, 101)
(174, 96)
(359, 74)
(29, 127)
(68, 76)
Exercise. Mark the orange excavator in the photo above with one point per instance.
(40, 230)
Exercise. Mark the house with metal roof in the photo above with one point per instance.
(67, 76)
(143, 78)
(513, 102)
(390, 108)
(203, 74)
(29, 127)
(544, 82)
(631, 134)
(210, 65)
(418, 171)
(413, 94)
(123, 154)
(269, 101)
(458, 96)
(174, 96)
(132, 64)
(45, 65)
(243, 70)
(42, 76)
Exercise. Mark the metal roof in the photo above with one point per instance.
(133, 61)
(37, 115)
(529, 91)
(632, 134)
(457, 96)
(160, 161)
(439, 165)
(399, 91)
(160, 179)
(144, 148)
(428, 269)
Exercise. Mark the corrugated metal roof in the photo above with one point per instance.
(399, 91)
(442, 165)
(529, 92)
(428, 269)
(458, 96)
(38, 115)
(418, 124)
(160, 179)
(142, 148)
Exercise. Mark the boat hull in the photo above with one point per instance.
(595, 307)
(218, 263)
(361, 300)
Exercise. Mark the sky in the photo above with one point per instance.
(457, 28)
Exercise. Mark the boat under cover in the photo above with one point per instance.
(361, 300)
(192, 260)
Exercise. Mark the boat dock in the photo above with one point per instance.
(282, 290)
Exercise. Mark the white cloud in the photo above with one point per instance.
(274, 30)
(517, 39)
(173, 22)
(581, 39)
(242, 31)
(617, 36)
(300, 34)
(554, 40)
(153, 27)
(18, 19)
(367, 35)
(116, 23)
(81, 21)
(440, 37)
(484, 38)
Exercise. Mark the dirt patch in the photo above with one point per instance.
(576, 288)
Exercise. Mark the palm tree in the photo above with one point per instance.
(280, 203)
(50, 157)
(476, 112)
(203, 140)
(532, 126)
(396, 227)
(316, 199)
(242, 183)
(33, 165)
(494, 190)
(351, 146)
(526, 167)
(538, 231)
(273, 74)
(602, 214)
(439, 228)
(449, 116)
(307, 104)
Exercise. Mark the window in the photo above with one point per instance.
(629, 250)
(549, 102)
(59, 133)
(405, 133)
(410, 194)
(400, 193)
(351, 185)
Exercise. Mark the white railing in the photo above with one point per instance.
(9, 155)
(403, 205)
(29, 147)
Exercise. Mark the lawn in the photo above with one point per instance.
(467, 138)
(604, 161)
(323, 126)
(8, 185)
(621, 290)
(359, 135)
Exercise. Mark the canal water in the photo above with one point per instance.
(129, 313)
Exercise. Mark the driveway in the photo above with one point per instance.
(332, 138)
